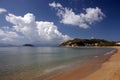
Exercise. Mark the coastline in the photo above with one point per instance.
(109, 70)
(74, 72)
(81, 72)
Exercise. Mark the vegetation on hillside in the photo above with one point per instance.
(87, 42)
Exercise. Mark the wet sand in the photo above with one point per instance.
(110, 70)
(80, 72)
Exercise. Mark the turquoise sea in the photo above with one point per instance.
(43, 60)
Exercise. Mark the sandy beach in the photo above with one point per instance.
(107, 68)
(110, 70)
(100, 68)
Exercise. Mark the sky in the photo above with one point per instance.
(51, 22)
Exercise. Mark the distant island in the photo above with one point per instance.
(89, 42)
(28, 45)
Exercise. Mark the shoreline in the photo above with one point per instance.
(74, 72)
(79, 72)
(109, 70)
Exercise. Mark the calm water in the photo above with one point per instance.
(20, 59)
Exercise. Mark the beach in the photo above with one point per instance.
(94, 68)
(110, 70)
(107, 68)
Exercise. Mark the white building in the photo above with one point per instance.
(118, 43)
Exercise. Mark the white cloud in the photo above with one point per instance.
(7, 36)
(83, 20)
(26, 30)
(55, 5)
(2, 10)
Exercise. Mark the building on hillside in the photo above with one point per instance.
(118, 43)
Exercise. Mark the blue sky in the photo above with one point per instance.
(55, 21)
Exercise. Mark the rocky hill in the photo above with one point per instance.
(87, 42)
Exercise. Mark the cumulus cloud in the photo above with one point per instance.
(83, 20)
(55, 5)
(26, 29)
(8, 36)
(2, 10)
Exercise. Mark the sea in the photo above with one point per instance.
(17, 63)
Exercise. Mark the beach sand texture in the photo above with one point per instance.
(95, 70)
(110, 70)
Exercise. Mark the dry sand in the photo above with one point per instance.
(110, 70)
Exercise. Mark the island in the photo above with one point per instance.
(28, 45)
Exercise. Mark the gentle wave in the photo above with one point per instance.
(111, 52)
(55, 68)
